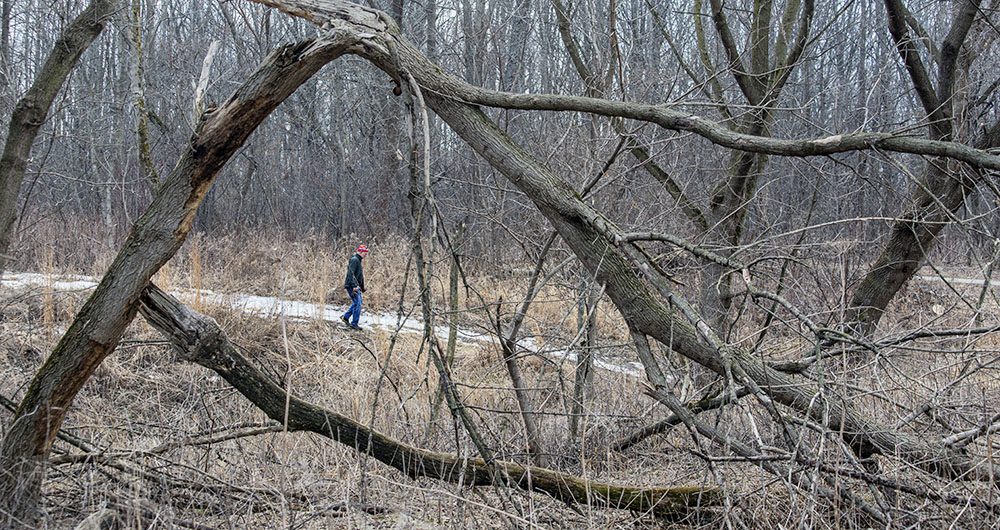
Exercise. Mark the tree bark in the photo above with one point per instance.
(156, 236)
(33, 108)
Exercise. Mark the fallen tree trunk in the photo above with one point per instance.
(198, 338)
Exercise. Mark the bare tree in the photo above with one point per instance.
(626, 253)
(33, 107)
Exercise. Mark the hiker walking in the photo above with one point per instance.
(355, 285)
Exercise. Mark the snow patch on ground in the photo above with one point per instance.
(273, 307)
(967, 281)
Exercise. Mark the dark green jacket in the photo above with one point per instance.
(355, 275)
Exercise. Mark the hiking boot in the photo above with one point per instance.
(357, 327)
(346, 321)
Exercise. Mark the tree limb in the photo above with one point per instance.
(695, 407)
(911, 59)
(740, 72)
(198, 338)
(950, 48)
(32, 109)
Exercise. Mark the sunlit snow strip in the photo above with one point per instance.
(972, 281)
(60, 283)
(272, 307)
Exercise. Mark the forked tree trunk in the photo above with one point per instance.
(944, 185)
(156, 236)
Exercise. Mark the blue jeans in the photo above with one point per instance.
(354, 312)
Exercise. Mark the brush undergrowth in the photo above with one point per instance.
(142, 397)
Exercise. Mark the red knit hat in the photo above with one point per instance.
(362, 249)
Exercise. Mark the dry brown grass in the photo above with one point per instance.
(142, 396)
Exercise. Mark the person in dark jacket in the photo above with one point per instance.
(355, 285)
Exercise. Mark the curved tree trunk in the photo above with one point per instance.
(33, 108)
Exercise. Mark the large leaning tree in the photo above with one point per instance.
(624, 262)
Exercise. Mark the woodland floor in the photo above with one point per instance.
(143, 411)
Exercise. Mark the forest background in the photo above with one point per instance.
(796, 202)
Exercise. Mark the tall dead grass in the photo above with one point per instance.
(142, 398)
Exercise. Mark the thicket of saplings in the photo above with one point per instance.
(171, 444)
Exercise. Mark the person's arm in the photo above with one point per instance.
(352, 272)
